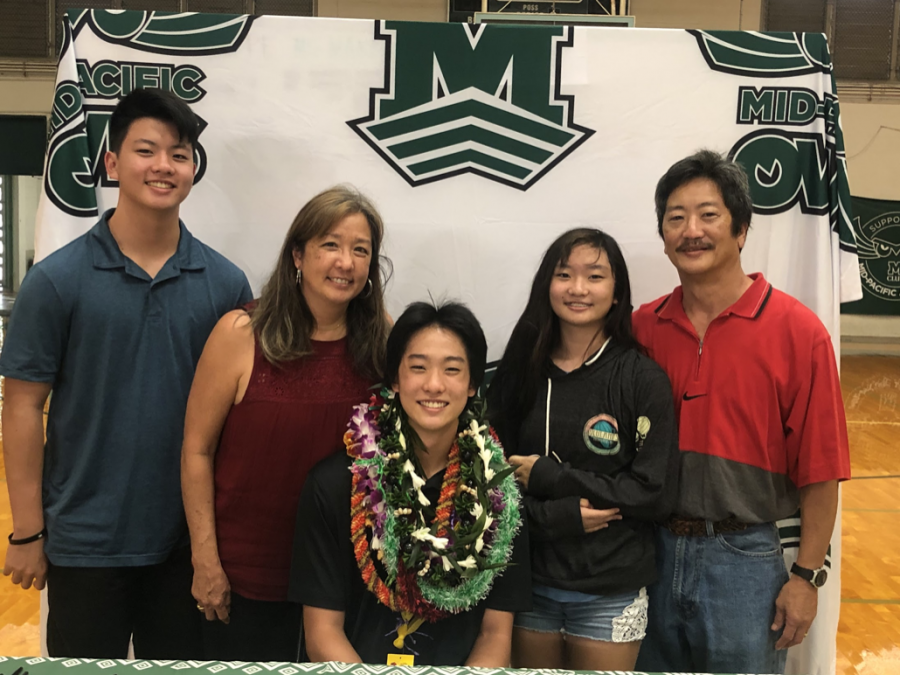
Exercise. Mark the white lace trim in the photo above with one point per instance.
(632, 625)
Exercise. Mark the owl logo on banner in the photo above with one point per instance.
(481, 99)
(787, 167)
(879, 255)
(81, 109)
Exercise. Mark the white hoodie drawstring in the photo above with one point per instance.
(547, 421)
(550, 389)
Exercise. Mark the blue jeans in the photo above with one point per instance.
(713, 605)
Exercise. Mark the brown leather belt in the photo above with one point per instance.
(696, 527)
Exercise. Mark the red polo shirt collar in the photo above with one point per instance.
(749, 305)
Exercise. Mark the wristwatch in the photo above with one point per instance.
(816, 577)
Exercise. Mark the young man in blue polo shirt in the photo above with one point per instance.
(114, 323)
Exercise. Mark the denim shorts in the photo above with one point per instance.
(621, 617)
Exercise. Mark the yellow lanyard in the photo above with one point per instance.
(409, 626)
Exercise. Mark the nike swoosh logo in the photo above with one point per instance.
(691, 398)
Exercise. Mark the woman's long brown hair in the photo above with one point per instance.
(282, 320)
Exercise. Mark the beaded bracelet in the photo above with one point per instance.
(27, 540)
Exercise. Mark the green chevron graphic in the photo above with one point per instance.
(471, 99)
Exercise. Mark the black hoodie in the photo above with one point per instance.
(612, 440)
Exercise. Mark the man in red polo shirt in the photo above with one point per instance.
(761, 432)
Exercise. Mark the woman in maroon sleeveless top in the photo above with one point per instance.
(271, 397)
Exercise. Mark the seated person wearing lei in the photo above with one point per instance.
(416, 555)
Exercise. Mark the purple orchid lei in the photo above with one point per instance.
(361, 439)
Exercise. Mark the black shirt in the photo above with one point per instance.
(324, 574)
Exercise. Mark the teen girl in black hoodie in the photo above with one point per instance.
(587, 420)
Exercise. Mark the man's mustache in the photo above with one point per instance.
(694, 246)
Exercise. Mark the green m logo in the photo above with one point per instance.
(480, 99)
(764, 54)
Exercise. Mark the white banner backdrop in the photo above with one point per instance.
(479, 144)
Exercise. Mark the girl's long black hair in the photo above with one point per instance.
(527, 356)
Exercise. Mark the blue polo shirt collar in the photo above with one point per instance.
(107, 254)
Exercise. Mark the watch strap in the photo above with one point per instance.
(815, 577)
(803, 572)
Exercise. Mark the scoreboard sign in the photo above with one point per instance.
(554, 6)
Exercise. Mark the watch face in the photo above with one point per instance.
(820, 578)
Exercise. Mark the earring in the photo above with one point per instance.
(369, 288)
(299, 276)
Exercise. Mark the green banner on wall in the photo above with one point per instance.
(878, 238)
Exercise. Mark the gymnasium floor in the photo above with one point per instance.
(869, 632)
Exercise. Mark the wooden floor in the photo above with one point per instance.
(869, 633)
(869, 629)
